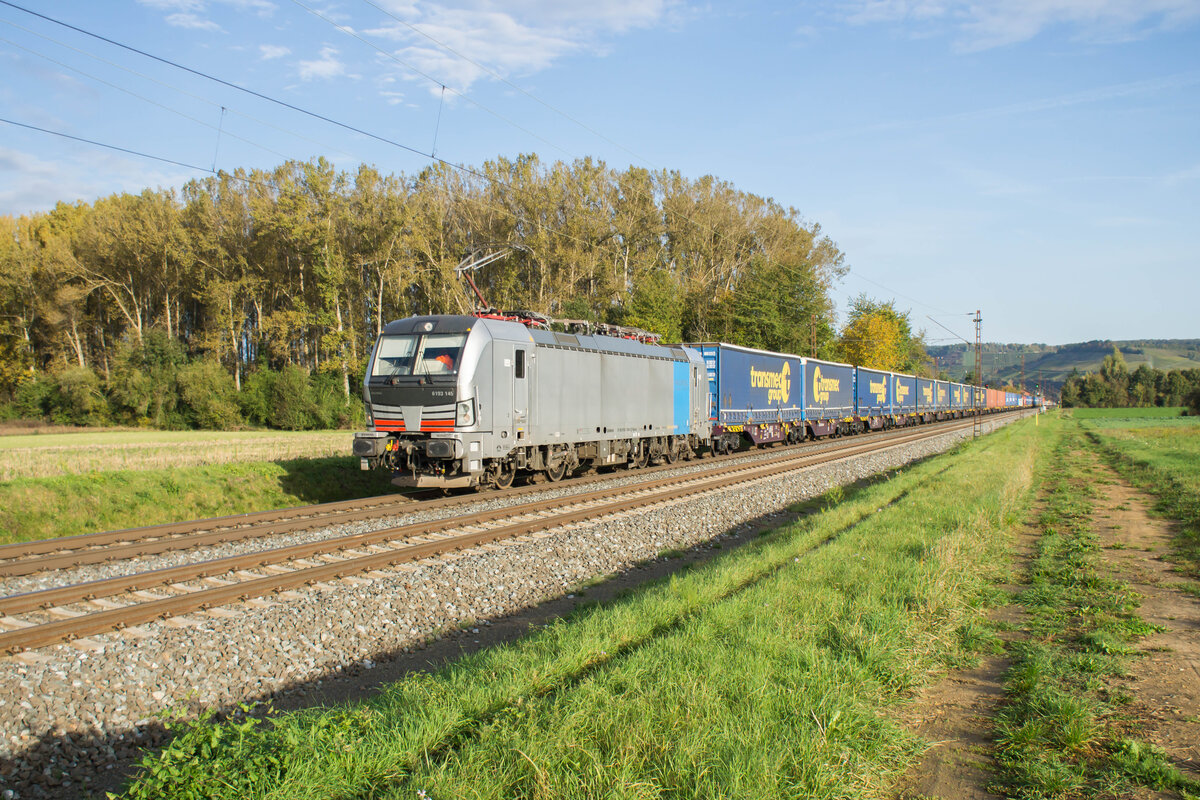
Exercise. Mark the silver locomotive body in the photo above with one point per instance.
(456, 401)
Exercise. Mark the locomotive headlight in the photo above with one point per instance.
(464, 413)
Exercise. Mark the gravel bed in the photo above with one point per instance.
(486, 502)
(71, 714)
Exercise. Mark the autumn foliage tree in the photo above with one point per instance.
(878, 336)
(295, 270)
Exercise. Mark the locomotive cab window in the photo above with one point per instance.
(410, 354)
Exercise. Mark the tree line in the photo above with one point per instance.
(214, 304)
(1115, 386)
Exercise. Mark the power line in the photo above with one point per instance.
(135, 153)
(860, 276)
(172, 87)
(145, 99)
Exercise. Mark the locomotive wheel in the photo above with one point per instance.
(555, 474)
(640, 458)
(502, 477)
(670, 455)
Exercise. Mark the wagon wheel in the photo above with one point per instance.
(555, 474)
(503, 474)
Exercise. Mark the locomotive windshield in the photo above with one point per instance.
(413, 354)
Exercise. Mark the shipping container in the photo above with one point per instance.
(828, 390)
(872, 393)
(1011, 399)
(904, 394)
(747, 385)
(960, 397)
(941, 400)
(926, 397)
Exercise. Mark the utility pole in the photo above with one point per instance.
(978, 427)
(1022, 371)
(812, 331)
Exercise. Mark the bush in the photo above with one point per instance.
(255, 398)
(1192, 401)
(32, 398)
(291, 405)
(208, 396)
(76, 399)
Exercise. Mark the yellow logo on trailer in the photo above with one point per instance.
(778, 384)
(823, 386)
(901, 392)
(879, 389)
(927, 394)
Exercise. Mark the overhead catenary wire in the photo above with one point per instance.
(145, 99)
(174, 88)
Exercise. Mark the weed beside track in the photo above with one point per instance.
(767, 672)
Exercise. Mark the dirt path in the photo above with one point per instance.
(956, 713)
(1165, 683)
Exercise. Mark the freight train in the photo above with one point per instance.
(460, 401)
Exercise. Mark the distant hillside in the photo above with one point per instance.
(1002, 362)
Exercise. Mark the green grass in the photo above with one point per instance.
(41, 508)
(1153, 412)
(1164, 461)
(1061, 730)
(51, 455)
(771, 671)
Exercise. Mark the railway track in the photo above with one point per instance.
(38, 619)
(29, 558)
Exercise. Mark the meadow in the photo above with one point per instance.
(50, 455)
(774, 670)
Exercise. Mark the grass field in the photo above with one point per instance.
(49, 455)
(772, 671)
(1162, 457)
(42, 508)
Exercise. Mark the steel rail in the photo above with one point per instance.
(96, 622)
(75, 551)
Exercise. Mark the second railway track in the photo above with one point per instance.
(41, 618)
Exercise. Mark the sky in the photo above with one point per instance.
(1038, 160)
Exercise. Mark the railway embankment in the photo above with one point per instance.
(80, 713)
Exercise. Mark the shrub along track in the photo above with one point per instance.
(69, 612)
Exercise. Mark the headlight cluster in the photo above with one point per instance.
(464, 413)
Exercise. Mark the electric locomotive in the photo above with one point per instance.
(460, 401)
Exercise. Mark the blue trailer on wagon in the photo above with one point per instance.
(926, 399)
(904, 399)
(755, 396)
(873, 398)
(828, 397)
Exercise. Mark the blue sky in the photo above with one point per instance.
(1036, 159)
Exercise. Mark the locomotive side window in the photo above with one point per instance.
(519, 365)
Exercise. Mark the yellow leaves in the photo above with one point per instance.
(874, 341)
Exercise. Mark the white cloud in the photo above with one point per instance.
(984, 24)
(192, 22)
(270, 51)
(324, 68)
(523, 37)
(174, 5)
(29, 184)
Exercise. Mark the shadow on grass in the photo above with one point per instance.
(327, 480)
(39, 770)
